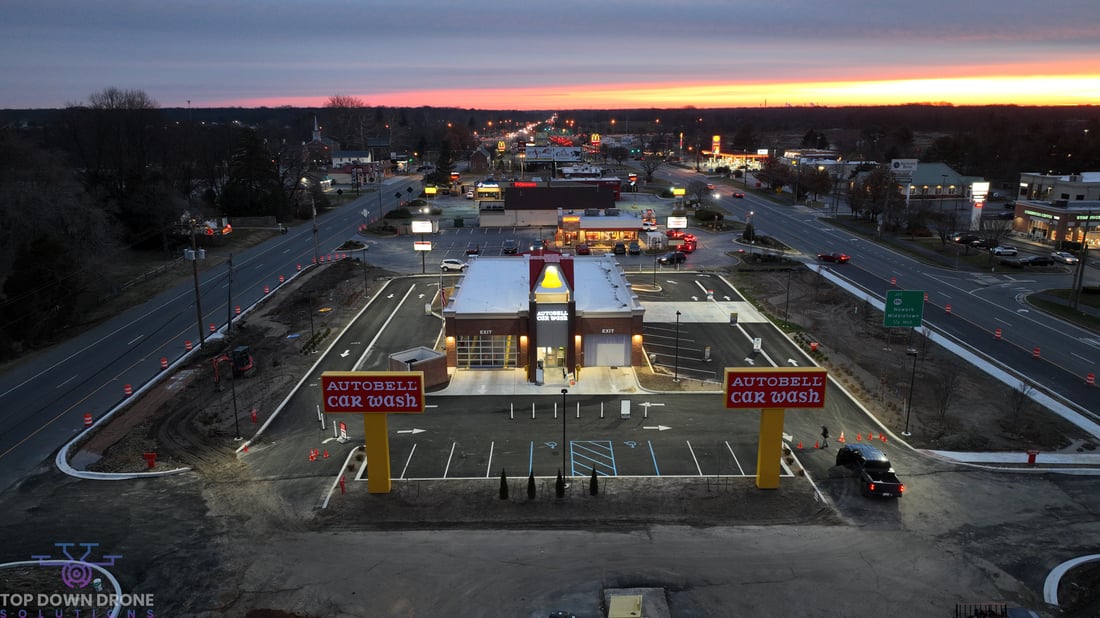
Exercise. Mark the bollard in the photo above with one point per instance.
(266, 290)
(997, 334)
(282, 279)
(926, 297)
(343, 488)
(213, 329)
(1035, 352)
(150, 459)
(187, 345)
(163, 363)
(127, 390)
(299, 267)
(947, 309)
(87, 419)
(237, 310)
(253, 415)
(1090, 379)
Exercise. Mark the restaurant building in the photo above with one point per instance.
(543, 313)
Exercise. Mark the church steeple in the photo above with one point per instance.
(316, 131)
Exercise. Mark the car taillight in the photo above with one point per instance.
(871, 487)
(901, 489)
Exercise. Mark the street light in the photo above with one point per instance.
(912, 380)
(676, 358)
(313, 208)
(195, 256)
(564, 391)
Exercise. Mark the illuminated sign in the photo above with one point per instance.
(678, 192)
(421, 227)
(523, 184)
(1041, 215)
(775, 387)
(373, 391)
(552, 315)
(676, 223)
(595, 139)
(501, 146)
(716, 144)
(422, 245)
(430, 190)
(979, 190)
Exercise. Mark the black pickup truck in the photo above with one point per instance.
(876, 476)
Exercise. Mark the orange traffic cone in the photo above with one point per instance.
(800, 446)
(817, 444)
(881, 436)
(312, 455)
(326, 453)
(841, 438)
(859, 437)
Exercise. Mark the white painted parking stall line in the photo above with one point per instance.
(735, 460)
(694, 458)
(450, 456)
(407, 462)
(489, 466)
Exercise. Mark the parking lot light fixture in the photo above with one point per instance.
(676, 357)
(564, 471)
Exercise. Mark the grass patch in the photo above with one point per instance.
(1058, 303)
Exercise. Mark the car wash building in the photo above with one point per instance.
(543, 313)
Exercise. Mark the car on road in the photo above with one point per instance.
(649, 226)
(1064, 257)
(739, 195)
(964, 238)
(469, 195)
(674, 233)
(619, 248)
(473, 249)
(582, 249)
(451, 265)
(688, 246)
(672, 257)
(834, 257)
(1037, 260)
(509, 247)
(876, 475)
(982, 243)
(1004, 250)
(634, 248)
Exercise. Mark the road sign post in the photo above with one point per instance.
(903, 309)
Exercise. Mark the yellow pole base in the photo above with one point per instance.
(770, 449)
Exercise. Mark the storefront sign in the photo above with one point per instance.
(373, 391)
(552, 315)
(775, 387)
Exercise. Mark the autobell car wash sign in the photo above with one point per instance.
(775, 387)
(373, 391)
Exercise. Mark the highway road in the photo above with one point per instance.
(44, 397)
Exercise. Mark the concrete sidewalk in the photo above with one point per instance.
(1020, 459)
(591, 381)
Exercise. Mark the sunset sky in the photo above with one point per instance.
(566, 54)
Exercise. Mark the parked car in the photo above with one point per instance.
(836, 258)
(672, 257)
(469, 195)
(619, 248)
(473, 249)
(739, 195)
(1004, 250)
(649, 226)
(451, 264)
(688, 246)
(1064, 257)
(964, 238)
(982, 243)
(674, 233)
(582, 250)
(876, 475)
(509, 247)
(634, 248)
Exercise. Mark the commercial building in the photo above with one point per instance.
(1059, 208)
(543, 313)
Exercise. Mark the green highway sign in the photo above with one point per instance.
(904, 309)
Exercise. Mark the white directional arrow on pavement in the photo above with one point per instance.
(749, 361)
(390, 296)
(658, 427)
(792, 362)
(694, 298)
(726, 298)
(345, 353)
(412, 431)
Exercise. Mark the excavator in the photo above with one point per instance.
(240, 360)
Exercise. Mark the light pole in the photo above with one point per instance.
(676, 358)
(195, 257)
(233, 388)
(564, 391)
(912, 380)
(313, 208)
(787, 303)
(229, 299)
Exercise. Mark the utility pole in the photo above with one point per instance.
(195, 257)
(229, 300)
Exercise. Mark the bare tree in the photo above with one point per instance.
(944, 388)
(650, 164)
(350, 121)
(1019, 400)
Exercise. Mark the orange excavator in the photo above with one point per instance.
(240, 360)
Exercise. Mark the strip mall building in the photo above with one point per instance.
(543, 313)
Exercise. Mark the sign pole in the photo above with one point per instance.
(769, 450)
(378, 453)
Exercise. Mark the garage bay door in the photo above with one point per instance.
(607, 351)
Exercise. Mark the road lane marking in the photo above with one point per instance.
(135, 340)
(653, 456)
(65, 382)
